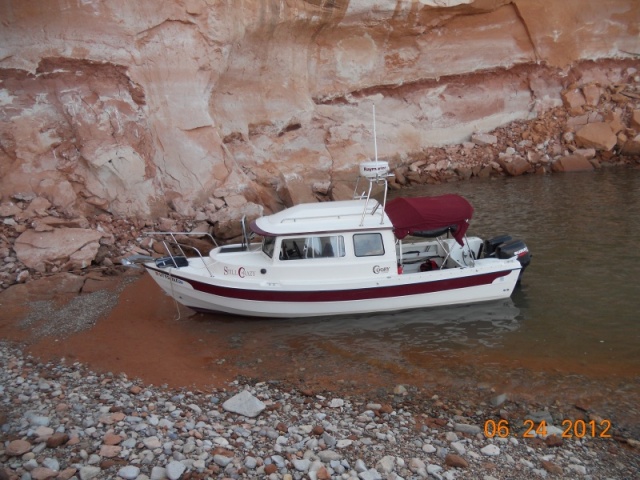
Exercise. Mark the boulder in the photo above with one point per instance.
(44, 288)
(514, 166)
(598, 135)
(614, 119)
(573, 100)
(295, 191)
(37, 207)
(571, 163)
(77, 245)
(227, 220)
(235, 201)
(9, 209)
(342, 191)
(82, 257)
(323, 188)
(484, 139)
(585, 152)
(635, 119)
(632, 146)
(56, 222)
(592, 94)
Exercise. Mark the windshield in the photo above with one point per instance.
(268, 244)
(312, 247)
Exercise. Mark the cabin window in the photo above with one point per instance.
(368, 244)
(312, 247)
(268, 244)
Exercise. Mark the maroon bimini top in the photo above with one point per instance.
(430, 216)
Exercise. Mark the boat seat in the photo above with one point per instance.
(419, 256)
(418, 259)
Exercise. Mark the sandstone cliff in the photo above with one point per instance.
(196, 107)
(133, 106)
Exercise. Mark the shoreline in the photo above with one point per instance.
(78, 423)
(414, 433)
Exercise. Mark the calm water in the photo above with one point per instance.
(580, 298)
(571, 331)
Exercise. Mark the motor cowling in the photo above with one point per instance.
(492, 244)
(515, 248)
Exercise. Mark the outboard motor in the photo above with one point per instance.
(492, 244)
(504, 246)
(515, 248)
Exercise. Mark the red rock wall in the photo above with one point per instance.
(133, 107)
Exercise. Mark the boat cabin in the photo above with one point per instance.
(323, 236)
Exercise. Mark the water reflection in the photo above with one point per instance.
(430, 329)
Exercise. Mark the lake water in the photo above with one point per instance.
(578, 302)
(569, 332)
(579, 299)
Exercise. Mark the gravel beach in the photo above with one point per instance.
(64, 421)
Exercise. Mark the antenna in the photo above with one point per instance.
(375, 140)
(376, 173)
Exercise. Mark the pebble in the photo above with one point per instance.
(129, 472)
(17, 448)
(107, 429)
(174, 470)
(490, 450)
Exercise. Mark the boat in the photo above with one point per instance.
(343, 258)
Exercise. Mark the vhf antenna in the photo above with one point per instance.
(375, 140)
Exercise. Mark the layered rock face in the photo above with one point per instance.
(114, 110)
(136, 107)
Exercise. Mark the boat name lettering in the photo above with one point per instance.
(241, 272)
(378, 269)
(168, 277)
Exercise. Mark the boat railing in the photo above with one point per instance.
(173, 241)
(246, 240)
(341, 215)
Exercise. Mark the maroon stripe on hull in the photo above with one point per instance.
(344, 295)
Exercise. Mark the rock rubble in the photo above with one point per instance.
(577, 136)
(63, 421)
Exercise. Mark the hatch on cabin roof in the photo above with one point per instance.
(336, 216)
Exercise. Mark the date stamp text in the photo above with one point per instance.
(570, 429)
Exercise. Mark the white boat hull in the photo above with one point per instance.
(492, 281)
